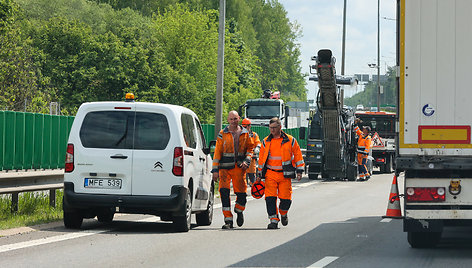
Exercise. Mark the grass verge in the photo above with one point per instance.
(33, 208)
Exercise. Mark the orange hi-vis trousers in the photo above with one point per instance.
(276, 185)
(238, 177)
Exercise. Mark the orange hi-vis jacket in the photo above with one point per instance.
(255, 154)
(225, 156)
(364, 144)
(289, 148)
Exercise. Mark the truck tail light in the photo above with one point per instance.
(178, 166)
(69, 166)
(426, 194)
(380, 160)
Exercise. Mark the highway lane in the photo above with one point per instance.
(332, 224)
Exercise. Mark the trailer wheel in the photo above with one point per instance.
(423, 239)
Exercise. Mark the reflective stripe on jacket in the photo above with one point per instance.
(225, 157)
(292, 158)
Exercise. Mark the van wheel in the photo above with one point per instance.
(106, 215)
(73, 220)
(182, 223)
(423, 239)
(205, 218)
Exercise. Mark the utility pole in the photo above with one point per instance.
(344, 39)
(378, 55)
(220, 69)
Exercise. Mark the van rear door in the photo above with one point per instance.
(153, 151)
(104, 155)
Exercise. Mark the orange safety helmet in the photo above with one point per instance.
(258, 189)
(246, 121)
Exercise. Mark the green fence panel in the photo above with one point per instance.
(55, 141)
(208, 132)
(46, 155)
(2, 139)
(261, 131)
(9, 140)
(38, 140)
(29, 141)
(19, 140)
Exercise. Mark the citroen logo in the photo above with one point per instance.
(158, 164)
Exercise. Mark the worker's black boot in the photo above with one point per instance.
(240, 219)
(284, 220)
(272, 225)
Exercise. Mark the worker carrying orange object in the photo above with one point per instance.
(280, 161)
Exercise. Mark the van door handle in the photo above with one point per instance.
(202, 158)
(119, 156)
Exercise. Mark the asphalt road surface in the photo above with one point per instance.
(331, 224)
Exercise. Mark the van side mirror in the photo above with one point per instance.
(301, 133)
(211, 148)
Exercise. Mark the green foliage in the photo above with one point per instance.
(33, 208)
(7, 14)
(76, 51)
(368, 97)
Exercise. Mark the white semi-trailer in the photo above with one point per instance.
(434, 108)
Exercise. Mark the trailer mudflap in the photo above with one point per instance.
(416, 225)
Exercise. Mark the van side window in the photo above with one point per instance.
(189, 130)
(151, 131)
(201, 136)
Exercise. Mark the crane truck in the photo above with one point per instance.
(261, 110)
(434, 147)
(331, 135)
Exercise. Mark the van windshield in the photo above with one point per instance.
(125, 130)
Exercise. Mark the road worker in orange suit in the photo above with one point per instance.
(251, 171)
(364, 144)
(280, 161)
(233, 153)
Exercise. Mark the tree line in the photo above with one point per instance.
(75, 51)
(368, 97)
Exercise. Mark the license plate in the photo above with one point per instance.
(102, 183)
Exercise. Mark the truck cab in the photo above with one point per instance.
(262, 110)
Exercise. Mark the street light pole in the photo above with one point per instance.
(220, 69)
(344, 39)
(378, 55)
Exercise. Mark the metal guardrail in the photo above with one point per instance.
(17, 182)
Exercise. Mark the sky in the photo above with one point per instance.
(322, 27)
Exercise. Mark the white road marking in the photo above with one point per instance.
(386, 220)
(48, 240)
(323, 262)
(59, 238)
(306, 184)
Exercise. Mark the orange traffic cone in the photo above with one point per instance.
(393, 209)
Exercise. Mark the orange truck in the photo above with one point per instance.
(382, 125)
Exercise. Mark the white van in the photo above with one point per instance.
(135, 157)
